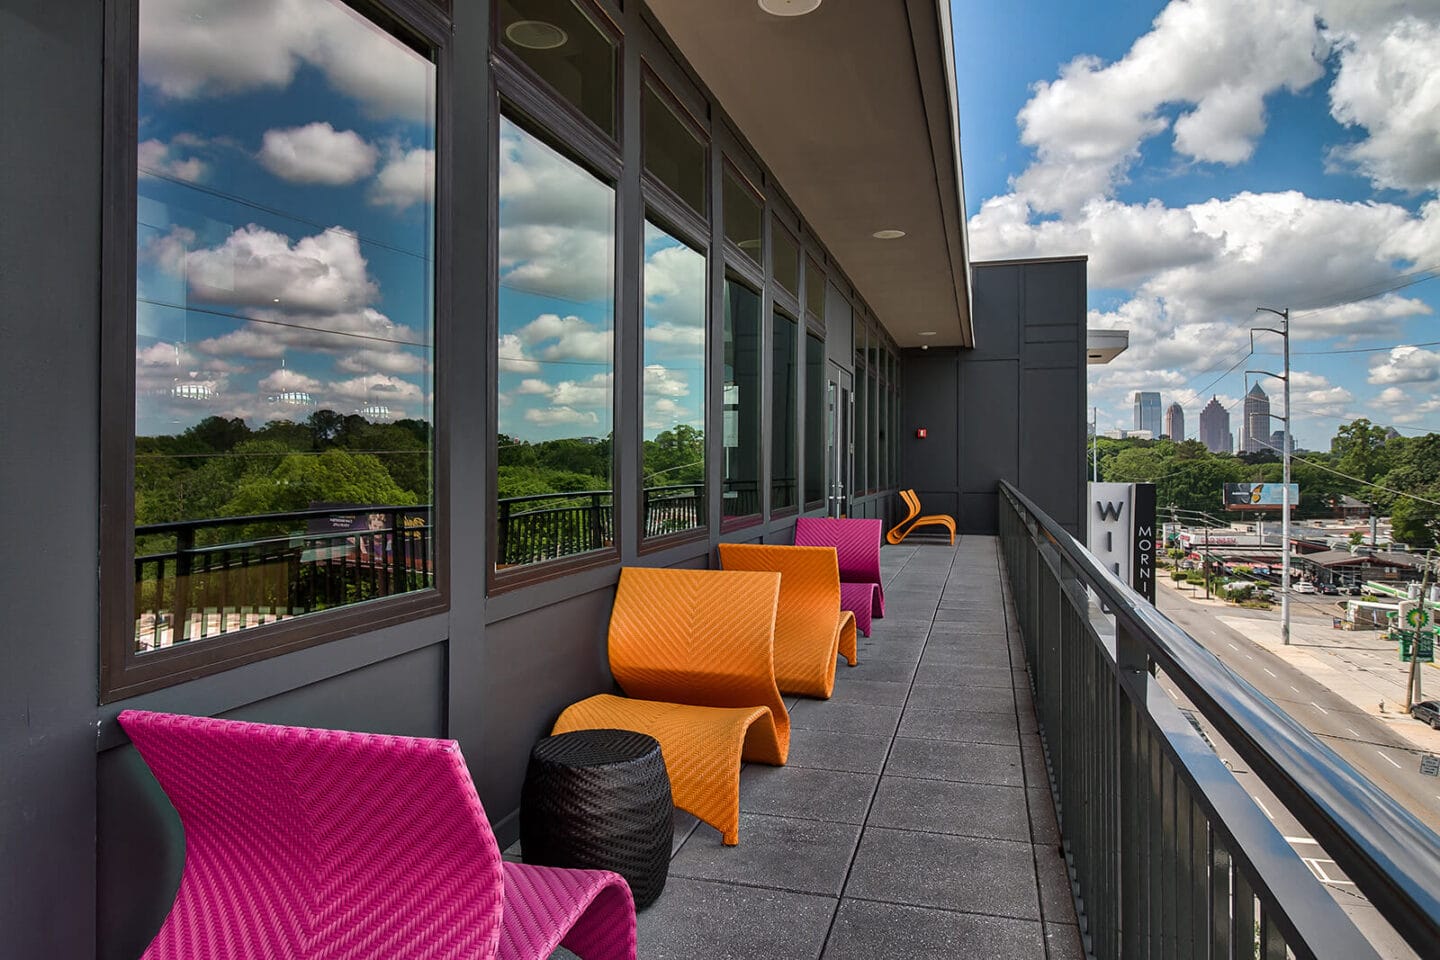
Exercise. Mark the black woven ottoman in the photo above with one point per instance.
(600, 799)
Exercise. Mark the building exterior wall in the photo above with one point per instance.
(91, 848)
(1147, 412)
(1011, 409)
(1175, 422)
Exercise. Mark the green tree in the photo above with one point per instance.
(1359, 449)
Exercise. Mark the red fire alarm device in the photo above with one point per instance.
(919, 433)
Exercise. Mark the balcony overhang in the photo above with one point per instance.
(1102, 346)
(852, 107)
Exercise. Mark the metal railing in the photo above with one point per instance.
(260, 569)
(1169, 856)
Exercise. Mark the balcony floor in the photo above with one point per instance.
(914, 818)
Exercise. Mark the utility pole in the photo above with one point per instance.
(1095, 444)
(1285, 445)
(1413, 692)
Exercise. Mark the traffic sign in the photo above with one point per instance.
(1430, 765)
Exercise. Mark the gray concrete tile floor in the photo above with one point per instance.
(914, 818)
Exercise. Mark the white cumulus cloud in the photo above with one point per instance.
(317, 153)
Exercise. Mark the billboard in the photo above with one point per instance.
(1122, 532)
(1259, 496)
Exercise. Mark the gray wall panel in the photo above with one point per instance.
(989, 402)
(1011, 409)
(50, 153)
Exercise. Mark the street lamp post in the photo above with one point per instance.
(1285, 445)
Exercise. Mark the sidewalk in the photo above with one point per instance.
(1359, 665)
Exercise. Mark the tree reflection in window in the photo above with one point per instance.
(674, 390)
(283, 316)
(555, 352)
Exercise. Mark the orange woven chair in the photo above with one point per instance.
(810, 628)
(695, 649)
(912, 520)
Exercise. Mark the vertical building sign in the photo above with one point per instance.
(1122, 532)
(1142, 518)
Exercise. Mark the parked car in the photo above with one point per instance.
(1303, 587)
(1350, 589)
(1427, 711)
(1329, 589)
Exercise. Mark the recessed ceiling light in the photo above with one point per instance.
(536, 35)
(788, 8)
(888, 234)
(927, 333)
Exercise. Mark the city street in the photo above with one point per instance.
(1323, 681)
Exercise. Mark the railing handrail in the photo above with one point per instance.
(314, 513)
(1392, 857)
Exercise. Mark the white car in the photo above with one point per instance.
(1303, 586)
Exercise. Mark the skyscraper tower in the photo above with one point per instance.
(1215, 427)
(1175, 422)
(1147, 412)
(1255, 423)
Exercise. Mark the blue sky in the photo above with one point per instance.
(285, 216)
(1212, 156)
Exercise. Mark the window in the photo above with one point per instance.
(740, 471)
(674, 155)
(785, 257)
(875, 433)
(555, 354)
(743, 224)
(567, 48)
(784, 382)
(814, 419)
(674, 388)
(814, 289)
(283, 325)
(862, 421)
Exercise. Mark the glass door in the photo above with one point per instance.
(839, 443)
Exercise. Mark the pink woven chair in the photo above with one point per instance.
(305, 843)
(857, 545)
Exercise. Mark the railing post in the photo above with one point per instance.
(502, 533)
(1131, 772)
(180, 615)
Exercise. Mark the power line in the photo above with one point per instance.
(1394, 346)
(1369, 291)
(1368, 483)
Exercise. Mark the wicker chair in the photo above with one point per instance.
(305, 844)
(913, 519)
(695, 648)
(810, 628)
(857, 548)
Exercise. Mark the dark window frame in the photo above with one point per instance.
(123, 672)
(650, 184)
(733, 254)
(516, 70)
(661, 209)
(756, 286)
(529, 104)
(798, 359)
(807, 334)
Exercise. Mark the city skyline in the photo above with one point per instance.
(1291, 161)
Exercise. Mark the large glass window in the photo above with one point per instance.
(743, 224)
(284, 318)
(740, 418)
(785, 259)
(874, 431)
(673, 154)
(814, 289)
(674, 389)
(883, 441)
(862, 423)
(784, 413)
(814, 419)
(560, 41)
(555, 349)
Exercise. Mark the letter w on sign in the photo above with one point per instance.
(1109, 510)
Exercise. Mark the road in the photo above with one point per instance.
(1368, 744)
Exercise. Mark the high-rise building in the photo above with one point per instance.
(1175, 422)
(1215, 427)
(1255, 422)
(1147, 412)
